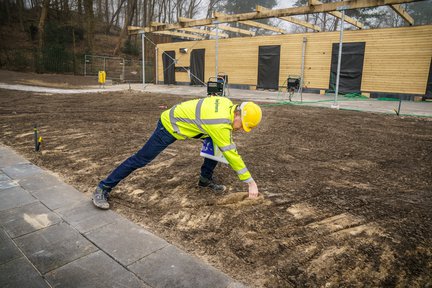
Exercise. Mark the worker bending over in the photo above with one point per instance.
(215, 117)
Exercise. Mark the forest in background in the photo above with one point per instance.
(54, 35)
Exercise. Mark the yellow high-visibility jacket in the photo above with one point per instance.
(207, 117)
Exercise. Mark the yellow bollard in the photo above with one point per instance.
(102, 77)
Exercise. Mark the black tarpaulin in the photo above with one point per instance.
(429, 83)
(197, 64)
(169, 67)
(268, 67)
(351, 67)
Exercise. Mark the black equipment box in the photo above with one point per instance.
(217, 87)
(293, 83)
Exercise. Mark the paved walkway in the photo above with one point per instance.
(422, 109)
(52, 236)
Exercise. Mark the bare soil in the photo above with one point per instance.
(346, 196)
(47, 80)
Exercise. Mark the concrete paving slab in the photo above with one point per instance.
(39, 181)
(35, 241)
(20, 273)
(4, 177)
(236, 285)
(26, 219)
(8, 184)
(15, 197)
(125, 241)
(93, 271)
(9, 158)
(84, 216)
(171, 267)
(58, 196)
(54, 246)
(8, 250)
(21, 170)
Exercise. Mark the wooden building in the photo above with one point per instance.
(390, 60)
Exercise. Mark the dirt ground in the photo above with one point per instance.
(346, 196)
(47, 80)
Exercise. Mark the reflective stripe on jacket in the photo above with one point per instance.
(207, 117)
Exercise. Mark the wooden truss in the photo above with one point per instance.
(200, 31)
(292, 19)
(315, 6)
(222, 27)
(403, 13)
(255, 24)
(338, 14)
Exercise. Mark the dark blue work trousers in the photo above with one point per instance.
(158, 141)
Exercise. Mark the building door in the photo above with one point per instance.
(169, 67)
(351, 69)
(268, 67)
(197, 66)
(428, 93)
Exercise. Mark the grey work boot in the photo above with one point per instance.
(206, 183)
(100, 198)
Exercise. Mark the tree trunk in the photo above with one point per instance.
(66, 8)
(41, 30)
(20, 5)
(115, 16)
(150, 12)
(137, 10)
(79, 4)
(129, 18)
(99, 12)
(74, 51)
(89, 15)
(106, 12)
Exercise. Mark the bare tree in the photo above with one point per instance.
(41, 28)
(89, 15)
(20, 5)
(79, 4)
(114, 17)
(211, 7)
(128, 21)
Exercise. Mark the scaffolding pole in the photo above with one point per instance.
(156, 66)
(335, 103)
(143, 56)
(217, 48)
(302, 68)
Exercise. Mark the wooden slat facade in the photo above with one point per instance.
(397, 60)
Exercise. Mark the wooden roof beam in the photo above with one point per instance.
(234, 29)
(403, 13)
(264, 26)
(321, 8)
(255, 24)
(156, 24)
(223, 27)
(201, 31)
(338, 14)
(292, 20)
(179, 34)
(185, 20)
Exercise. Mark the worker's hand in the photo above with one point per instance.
(253, 189)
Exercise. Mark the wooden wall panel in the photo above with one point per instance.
(396, 59)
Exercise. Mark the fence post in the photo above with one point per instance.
(143, 56)
(123, 69)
